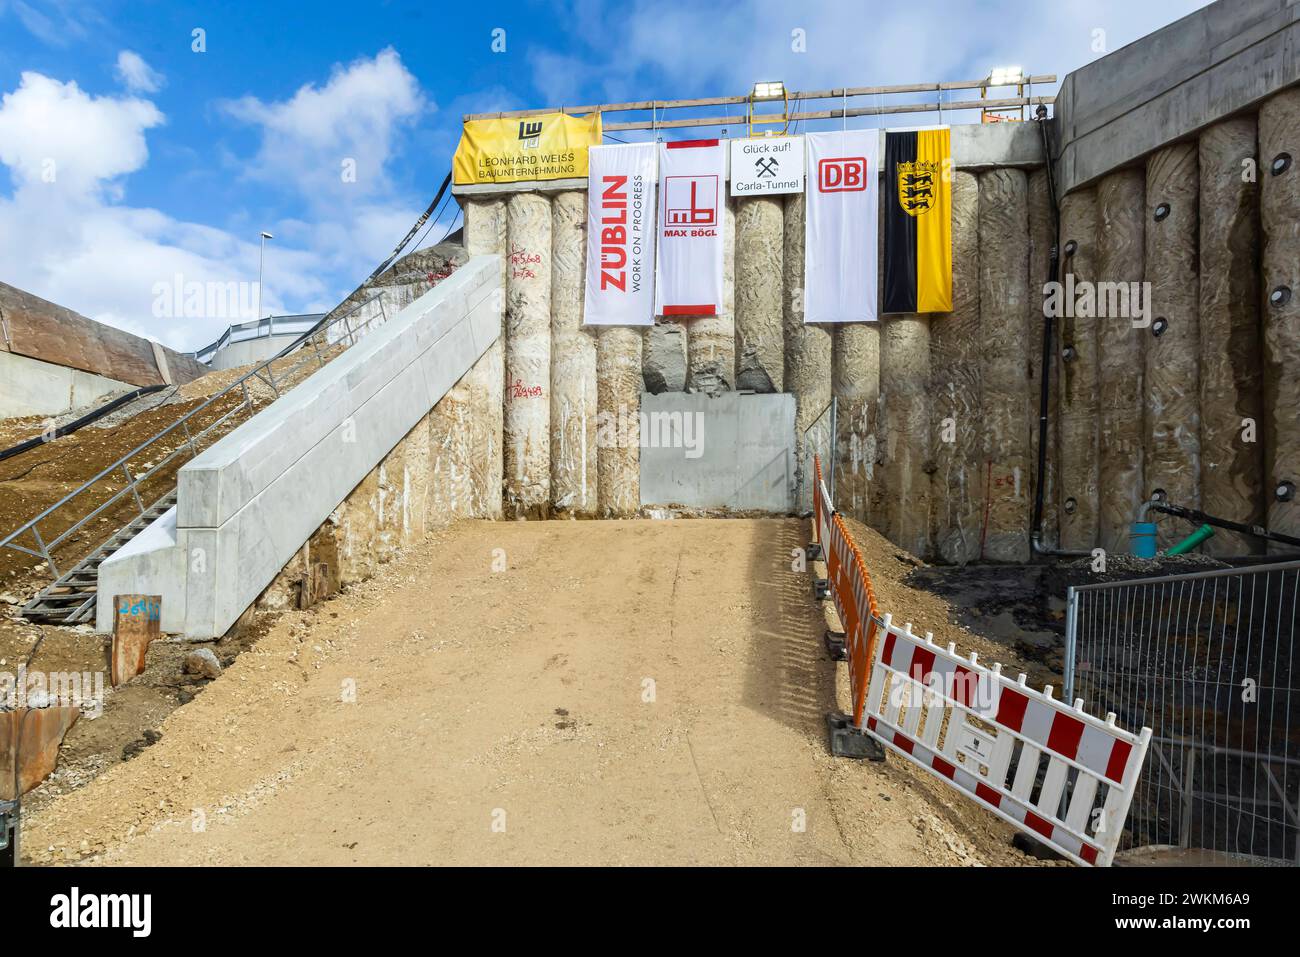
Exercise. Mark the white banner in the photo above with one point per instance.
(767, 165)
(843, 210)
(620, 236)
(689, 260)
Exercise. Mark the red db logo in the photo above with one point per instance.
(844, 174)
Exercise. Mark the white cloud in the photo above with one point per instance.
(682, 48)
(355, 116)
(74, 241)
(136, 75)
(54, 134)
(64, 236)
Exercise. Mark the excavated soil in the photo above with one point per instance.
(639, 692)
(39, 478)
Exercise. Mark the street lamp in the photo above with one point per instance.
(261, 256)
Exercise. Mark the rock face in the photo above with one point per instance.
(573, 364)
(856, 382)
(1232, 469)
(760, 349)
(1171, 450)
(1077, 421)
(905, 408)
(956, 421)
(664, 364)
(618, 435)
(1003, 264)
(711, 354)
(807, 357)
(528, 357)
(1279, 134)
(1120, 348)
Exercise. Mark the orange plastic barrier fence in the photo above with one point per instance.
(850, 589)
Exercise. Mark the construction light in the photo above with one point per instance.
(772, 90)
(1006, 76)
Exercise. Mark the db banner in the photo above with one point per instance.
(689, 261)
(520, 149)
(620, 236)
(843, 207)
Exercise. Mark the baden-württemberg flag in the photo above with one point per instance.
(918, 221)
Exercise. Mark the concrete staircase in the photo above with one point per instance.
(70, 599)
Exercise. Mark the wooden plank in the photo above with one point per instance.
(137, 621)
(29, 744)
(952, 106)
(728, 100)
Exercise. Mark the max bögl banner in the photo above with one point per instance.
(620, 236)
(689, 259)
(918, 221)
(843, 203)
(520, 149)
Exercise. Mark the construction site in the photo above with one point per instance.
(560, 541)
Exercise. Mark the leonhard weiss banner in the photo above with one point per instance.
(689, 259)
(620, 236)
(520, 149)
(840, 243)
(918, 221)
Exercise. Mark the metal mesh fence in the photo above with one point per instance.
(1207, 661)
(816, 441)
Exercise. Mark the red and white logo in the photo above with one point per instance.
(690, 201)
(843, 174)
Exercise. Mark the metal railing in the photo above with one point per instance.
(1207, 660)
(816, 443)
(84, 499)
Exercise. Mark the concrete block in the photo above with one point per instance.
(735, 451)
(341, 423)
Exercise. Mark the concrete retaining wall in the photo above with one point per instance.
(355, 446)
(33, 387)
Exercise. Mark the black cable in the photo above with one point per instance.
(424, 217)
(1045, 378)
(76, 424)
(433, 222)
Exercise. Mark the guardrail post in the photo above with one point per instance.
(135, 492)
(1071, 639)
(45, 552)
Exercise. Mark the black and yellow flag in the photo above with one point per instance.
(918, 221)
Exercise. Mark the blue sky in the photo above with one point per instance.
(129, 160)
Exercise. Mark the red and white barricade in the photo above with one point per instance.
(1057, 773)
(822, 508)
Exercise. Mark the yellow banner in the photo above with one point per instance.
(523, 148)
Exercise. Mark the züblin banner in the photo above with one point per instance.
(621, 236)
(918, 221)
(521, 149)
